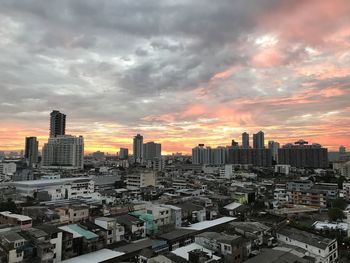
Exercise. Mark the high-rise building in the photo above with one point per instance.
(151, 150)
(57, 123)
(259, 140)
(63, 152)
(219, 155)
(138, 148)
(31, 150)
(245, 140)
(123, 153)
(198, 154)
(252, 156)
(302, 155)
(342, 149)
(273, 147)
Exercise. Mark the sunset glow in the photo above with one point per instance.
(278, 66)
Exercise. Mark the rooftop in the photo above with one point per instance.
(276, 256)
(77, 231)
(95, 257)
(306, 237)
(178, 233)
(128, 220)
(17, 216)
(183, 251)
(210, 223)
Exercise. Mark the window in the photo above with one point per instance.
(19, 254)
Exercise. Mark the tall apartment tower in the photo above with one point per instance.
(259, 140)
(273, 147)
(152, 150)
(245, 140)
(123, 153)
(63, 152)
(138, 148)
(57, 123)
(31, 150)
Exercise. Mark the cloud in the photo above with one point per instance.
(180, 72)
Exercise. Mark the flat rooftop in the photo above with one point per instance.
(210, 223)
(95, 257)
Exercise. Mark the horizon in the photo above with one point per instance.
(179, 73)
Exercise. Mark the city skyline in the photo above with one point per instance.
(258, 65)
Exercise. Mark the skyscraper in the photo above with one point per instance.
(245, 140)
(31, 150)
(273, 147)
(63, 152)
(198, 154)
(259, 140)
(151, 150)
(57, 123)
(302, 155)
(138, 148)
(123, 153)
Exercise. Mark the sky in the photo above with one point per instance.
(178, 72)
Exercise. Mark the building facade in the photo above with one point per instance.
(57, 123)
(31, 150)
(63, 152)
(138, 148)
(302, 155)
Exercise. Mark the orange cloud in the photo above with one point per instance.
(268, 57)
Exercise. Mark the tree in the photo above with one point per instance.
(339, 203)
(9, 206)
(335, 214)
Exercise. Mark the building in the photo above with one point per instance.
(12, 247)
(57, 123)
(54, 187)
(123, 153)
(245, 140)
(8, 168)
(198, 154)
(273, 147)
(219, 155)
(24, 222)
(259, 140)
(257, 156)
(73, 214)
(138, 148)
(55, 238)
(63, 152)
(31, 150)
(324, 250)
(345, 169)
(282, 169)
(140, 180)
(115, 231)
(151, 150)
(134, 228)
(342, 150)
(302, 155)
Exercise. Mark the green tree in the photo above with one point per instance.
(339, 203)
(335, 213)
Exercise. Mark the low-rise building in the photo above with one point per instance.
(7, 217)
(134, 228)
(324, 250)
(11, 247)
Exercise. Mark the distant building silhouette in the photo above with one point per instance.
(138, 148)
(31, 150)
(245, 140)
(57, 123)
(259, 140)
